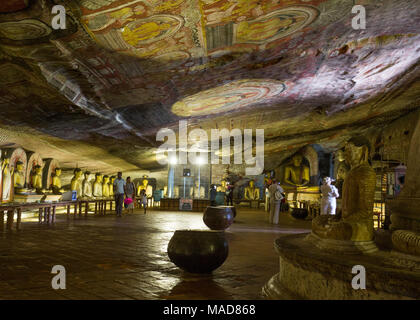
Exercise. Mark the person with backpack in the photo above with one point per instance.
(276, 196)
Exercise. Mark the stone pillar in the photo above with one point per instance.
(405, 209)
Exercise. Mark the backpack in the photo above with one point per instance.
(278, 196)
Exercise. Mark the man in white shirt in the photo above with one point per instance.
(275, 191)
(119, 187)
(329, 194)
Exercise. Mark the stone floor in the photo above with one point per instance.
(125, 258)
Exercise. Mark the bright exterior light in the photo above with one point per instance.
(173, 160)
(200, 161)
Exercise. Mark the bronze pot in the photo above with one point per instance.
(198, 251)
(299, 213)
(233, 208)
(218, 218)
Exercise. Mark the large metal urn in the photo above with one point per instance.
(233, 208)
(198, 251)
(218, 218)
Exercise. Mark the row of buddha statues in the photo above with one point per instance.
(101, 187)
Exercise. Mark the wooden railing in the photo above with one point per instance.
(47, 210)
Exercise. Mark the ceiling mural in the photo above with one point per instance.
(274, 25)
(237, 94)
(125, 68)
(13, 5)
(26, 29)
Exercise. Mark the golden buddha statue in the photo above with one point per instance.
(222, 187)
(145, 186)
(7, 179)
(111, 186)
(19, 178)
(97, 185)
(197, 192)
(296, 174)
(105, 187)
(76, 182)
(251, 192)
(86, 185)
(356, 223)
(56, 182)
(36, 179)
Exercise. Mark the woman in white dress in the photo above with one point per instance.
(329, 195)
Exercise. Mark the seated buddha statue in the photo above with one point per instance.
(111, 186)
(356, 223)
(36, 179)
(251, 192)
(296, 174)
(97, 186)
(56, 182)
(145, 186)
(87, 185)
(197, 192)
(105, 186)
(19, 178)
(76, 182)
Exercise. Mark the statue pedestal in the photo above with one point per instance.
(302, 194)
(52, 197)
(28, 198)
(308, 272)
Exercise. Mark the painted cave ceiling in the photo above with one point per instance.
(100, 89)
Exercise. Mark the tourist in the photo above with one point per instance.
(329, 195)
(119, 191)
(143, 199)
(229, 195)
(130, 193)
(276, 195)
(213, 193)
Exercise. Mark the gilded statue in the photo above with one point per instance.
(7, 179)
(36, 179)
(105, 187)
(19, 178)
(145, 186)
(342, 170)
(222, 187)
(56, 182)
(87, 185)
(197, 192)
(111, 186)
(251, 192)
(76, 182)
(296, 174)
(356, 223)
(97, 185)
